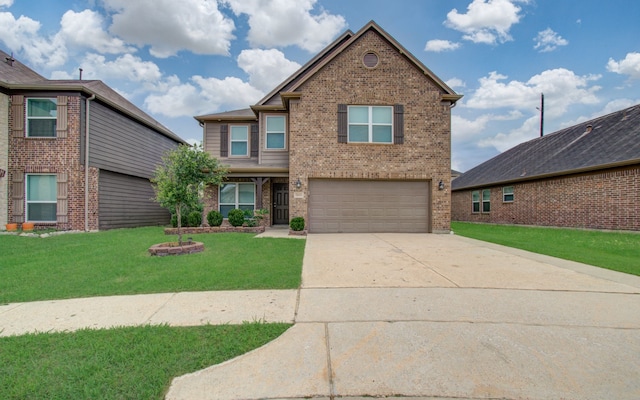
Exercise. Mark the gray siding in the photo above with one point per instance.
(122, 145)
(126, 202)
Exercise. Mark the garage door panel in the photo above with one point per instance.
(368, 206)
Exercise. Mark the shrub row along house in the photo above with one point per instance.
(357, 140)
(74, 154)
(584, 176)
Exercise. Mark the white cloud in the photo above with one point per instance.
(486, 21)
(21, 35)
(203, 95)
(455, 83)
(6, 3)
(630, 65)
(438, 45)
(85, 29)
(530, 129)
(561, 88)
(281, 23)
(548, 40)
(266, 68)
(169, 26)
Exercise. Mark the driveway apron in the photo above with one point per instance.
(440, 316)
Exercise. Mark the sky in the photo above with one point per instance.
(177, 59)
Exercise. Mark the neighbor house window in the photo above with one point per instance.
(507, 194)
(486, 200)
(42, 195)
(370, 124)
(276, 138)
(475, 201)
(236, 195)
(41, 117)
(239, 140)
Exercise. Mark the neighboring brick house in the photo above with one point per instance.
(584, 176)
(357, 140)
(44, 125)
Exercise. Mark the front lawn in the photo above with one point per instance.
(618, 251)
(121, 363)
(116, 262)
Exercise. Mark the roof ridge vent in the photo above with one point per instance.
(9, 60)
(588, 129)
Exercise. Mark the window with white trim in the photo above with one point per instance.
(507, 194)
(42, 117)
(276, 132)
(370, 124)
(236, 195)
(486, 200)
(475, 201)
(239, 142)
(42, 197)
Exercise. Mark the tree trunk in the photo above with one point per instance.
(179, 216)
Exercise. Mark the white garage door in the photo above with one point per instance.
(368, 206)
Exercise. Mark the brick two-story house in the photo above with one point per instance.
(357, 140)
(48, 131)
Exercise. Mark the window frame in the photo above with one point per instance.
(28, 202)
(505, 194)
(236, 203)
(370, 124)
(247, 141)
(267, 132)
(475, 201)
(29, 118)
(486, 201)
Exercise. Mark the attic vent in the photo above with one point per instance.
(370, 59)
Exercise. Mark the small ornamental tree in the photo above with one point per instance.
(183, 173)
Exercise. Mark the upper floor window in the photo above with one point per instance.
(276, 137)
(370, 124)
(507, 194)
(42, 197)
(239, 140)
(41, 117)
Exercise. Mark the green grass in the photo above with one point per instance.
(122, 363)
(617, 251)
(117, 262)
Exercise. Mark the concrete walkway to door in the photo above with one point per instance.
(440, 316)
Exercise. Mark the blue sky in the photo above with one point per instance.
(177, 59)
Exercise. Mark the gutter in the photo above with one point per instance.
(86, 162)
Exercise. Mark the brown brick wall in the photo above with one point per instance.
(316, 153)
(56, 155)
(600, 200)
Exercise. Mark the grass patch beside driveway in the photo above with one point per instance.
(121, 363)
(117, 262)
(618, 251)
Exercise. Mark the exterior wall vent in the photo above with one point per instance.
(370, 59)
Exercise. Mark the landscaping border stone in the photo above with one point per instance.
(215, 229)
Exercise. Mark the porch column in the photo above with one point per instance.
(259, 182)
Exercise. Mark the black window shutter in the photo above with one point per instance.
(254, 140)
(343, 127)
(398, 124)
(224, 140)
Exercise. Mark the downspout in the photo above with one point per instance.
(86, 163)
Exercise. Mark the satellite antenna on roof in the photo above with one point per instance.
(541, 108)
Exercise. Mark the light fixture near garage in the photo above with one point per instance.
(298, 184)
(440, 185)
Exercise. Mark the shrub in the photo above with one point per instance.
(297, 224)
(236, 217)
(194, 219)
(214, 218)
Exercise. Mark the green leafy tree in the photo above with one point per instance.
(184, 172)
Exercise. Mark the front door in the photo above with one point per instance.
(280, 203)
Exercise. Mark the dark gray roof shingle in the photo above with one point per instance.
(613, 140)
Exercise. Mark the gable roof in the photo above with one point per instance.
(278, 97)
(17, 76)
(609, 141)
(239, 115)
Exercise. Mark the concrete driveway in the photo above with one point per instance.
(440, 316)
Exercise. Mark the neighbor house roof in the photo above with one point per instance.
(244, 114)
(609, 141)
(16, 76)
